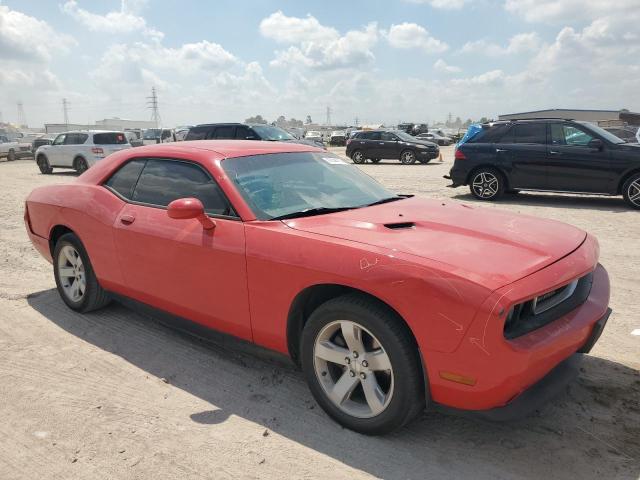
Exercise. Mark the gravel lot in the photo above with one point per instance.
(115, 394)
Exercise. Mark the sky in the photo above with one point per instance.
(380, 61)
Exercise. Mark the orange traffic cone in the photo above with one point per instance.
(440, 158)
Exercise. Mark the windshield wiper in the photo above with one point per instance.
(384, 200)
(309, 212)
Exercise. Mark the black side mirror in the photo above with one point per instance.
(596, 144)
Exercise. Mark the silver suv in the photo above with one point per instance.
(79, 149)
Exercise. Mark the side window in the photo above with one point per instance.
(197, 133)
(70, 139)
(81, 138)
(388, 136)
(243, 133)
(569, 135)
(125, 178)
(225, 132)
(163, 181)
(530, 133)
(59, 139)
(374, 136)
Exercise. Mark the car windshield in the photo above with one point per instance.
(151, 134)
(405, 136)
(603, 133)
(285, 184)
(268, 132)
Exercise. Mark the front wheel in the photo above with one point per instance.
(43, 165)
(487, 184)
(408, 157)
(77, 283)
(358, 157)
(362, 365)
(631, 191)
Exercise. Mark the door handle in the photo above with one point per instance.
(381, 143)
(553, 152)
(501, 150)
(127, 219)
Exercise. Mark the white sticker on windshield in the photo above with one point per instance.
(334, 160)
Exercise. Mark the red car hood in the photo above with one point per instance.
(486, 245)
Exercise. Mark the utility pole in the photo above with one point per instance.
(1, 121)
(328, 122)
(65, 109)
(22, 121)
(152, 103)
(355, 122)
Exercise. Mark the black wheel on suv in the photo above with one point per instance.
(631, 191)
(487, 183)
(408, 157)
(80, 164)
(43, 165)
(358, 157)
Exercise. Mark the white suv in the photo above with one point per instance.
(79, 149)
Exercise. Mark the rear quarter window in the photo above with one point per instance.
(492, 134)
(197, 133)
(111, 138)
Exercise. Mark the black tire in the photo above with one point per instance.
(80, 165)
(11, 156)
(408, 395)
(358, 157)
(408, 157)
(43, 165)
(487, 183)
(94, 296)
(631, 191)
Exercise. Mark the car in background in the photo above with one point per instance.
(152, 136)
(37, 142)
(181, 132)
(246, 131)
(338, 138)
(627, 133)
(13, 149)
(375, 145)
(368, 282)
(79, 150)
(436, 138)
(314, 136)
(547, 155)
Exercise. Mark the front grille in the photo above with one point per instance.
(537, 312)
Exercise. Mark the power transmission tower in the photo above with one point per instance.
(328, 122)
(65, 109)
(22, 120)
(356, 121)
(152, 103)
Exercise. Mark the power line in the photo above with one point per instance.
(152, 103)
(65, 108)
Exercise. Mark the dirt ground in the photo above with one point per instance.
(116, 394)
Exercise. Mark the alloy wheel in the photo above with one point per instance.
(358, 157)
(71, 273)
(353, 369)
(633, 192)
(408, 157)
(485, 185)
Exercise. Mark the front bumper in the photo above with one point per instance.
(501, 369)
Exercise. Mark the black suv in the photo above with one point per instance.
(547, 155)
(375, 145)
(243, 131)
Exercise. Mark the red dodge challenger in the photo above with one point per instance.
(389, 303)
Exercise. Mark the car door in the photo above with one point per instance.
(176, 265)
(574, 164)
(388, 146)
(54, 153)
(366, 142)
(522, 153)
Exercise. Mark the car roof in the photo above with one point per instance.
(235, 148)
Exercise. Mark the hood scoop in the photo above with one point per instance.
(399, 225)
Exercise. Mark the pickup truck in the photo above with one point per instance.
(12, 149)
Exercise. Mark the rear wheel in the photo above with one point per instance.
(358, 157)
(486, 184)
(408, 157)
(11, 156)
(631, 191)
(80, 164)
(362, 365)
(43, 165)
(75, 279)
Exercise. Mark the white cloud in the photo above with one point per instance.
(442, 66)
(412, 35)
(313, 45)
(492, 77)
(25, 38)
(126, 20)
(568, 11)
(520, 43)
(443, 4)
